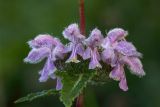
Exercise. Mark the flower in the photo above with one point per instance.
(129, 56)
(118, 52)
(127, 49)
(116, 34)
(118, 74)
(114, 50)
(93, 42)
(108, 54)
(45, 46)
(72, 33)
(109, 44)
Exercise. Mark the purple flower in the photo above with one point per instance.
(95, 38)
(47, 71)
(118, 52)
(45, 46)
(123, 83)
(93, 42)
(37, 55)
(116, 34)
(127, 49)
(108, 54)
(72, 33)
(118, 74)
(129, 56)
(43, 40)
(135, 65)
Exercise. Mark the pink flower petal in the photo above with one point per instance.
(127, 49)
(135, 65)
(37, 55)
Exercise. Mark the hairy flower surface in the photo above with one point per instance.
(118, 52)
(116, 34)
(72, 33)
(93, 42)
(118, 74)
(114, 50)
(45, 46)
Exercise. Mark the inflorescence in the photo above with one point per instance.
(113, 50)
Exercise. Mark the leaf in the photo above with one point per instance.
(36, 95)
(73, 86)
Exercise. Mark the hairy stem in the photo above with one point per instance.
(80, 99)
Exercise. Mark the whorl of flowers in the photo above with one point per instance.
(113, 50)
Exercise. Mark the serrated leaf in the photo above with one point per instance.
(36, 95)
(73, 86)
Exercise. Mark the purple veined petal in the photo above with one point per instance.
(43, 40)
(123, 84)
(94, 60)
(106, 43)
(59, 84)
(71, 30)
(73, 56)
(114, 60)
(95, 38)
(72, 33)
(116, 34)
(51, 68)
(87, 53)
(134, 65)
(97, 54)
(44, 77)
(80, 49)
(109, 57)
(117, 72)
(37, 55)
(127, 49)
(47, 71)
(69, 47)
(58, 52)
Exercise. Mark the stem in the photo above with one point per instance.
(80, 99)
(82, 16)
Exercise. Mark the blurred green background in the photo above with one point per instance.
(22, 20)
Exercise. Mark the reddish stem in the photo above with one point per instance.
(80, 99)
(82, 16)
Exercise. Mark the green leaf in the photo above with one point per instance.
(73, 86)
(36, 95)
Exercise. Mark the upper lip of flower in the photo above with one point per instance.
(116, 34)
(72, 33)
(95, 38)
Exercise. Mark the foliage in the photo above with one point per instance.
(73, 86)
(75, 78)
(33, 96)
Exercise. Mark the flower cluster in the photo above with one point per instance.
(113, 50)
